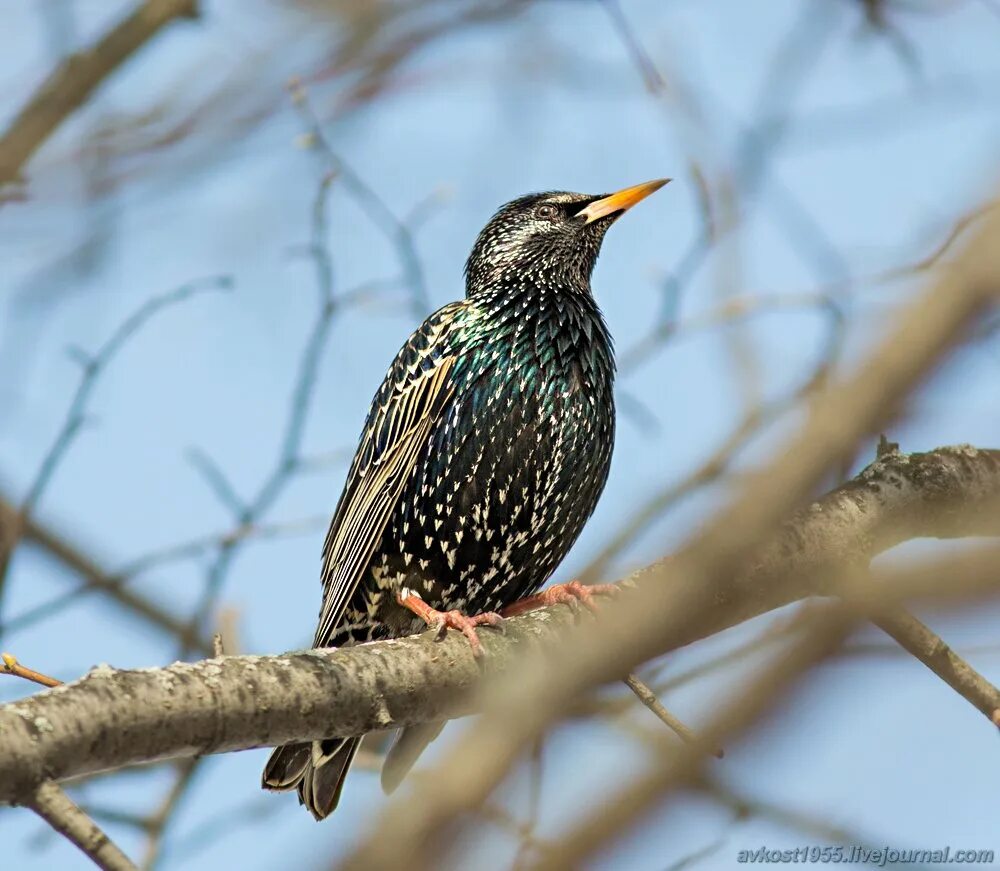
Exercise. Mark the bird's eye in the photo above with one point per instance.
(546, 210)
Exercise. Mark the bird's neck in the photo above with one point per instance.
(528, 278)
(529, 273)
(533, 296)
(560, 327)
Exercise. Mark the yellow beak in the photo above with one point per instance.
(620, 201)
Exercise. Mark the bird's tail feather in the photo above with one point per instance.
(409, 744)
(317, 769)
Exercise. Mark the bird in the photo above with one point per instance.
(483, 455)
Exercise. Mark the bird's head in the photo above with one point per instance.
(550, 238)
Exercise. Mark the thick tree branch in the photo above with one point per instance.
(946, 493)
(71, 83)
(110, 719)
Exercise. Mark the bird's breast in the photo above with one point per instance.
(511, 472)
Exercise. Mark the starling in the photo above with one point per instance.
(483, 455)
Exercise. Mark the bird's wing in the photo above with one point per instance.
(403, 413)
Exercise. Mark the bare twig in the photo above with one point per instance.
(744, 806)
(202, 545)
(156, 823)
(59, 811)
(649, 699)
(928, 647)
(821, 632)
(96, 579)
(286, 462)
(929, 261)
(12, 666)
(289, 460)
(397, 231)
(533, 806)
(217, 481)
(523, 831)
(711, 469)
(93, 366)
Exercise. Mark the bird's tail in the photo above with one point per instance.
(409, 744)
(317, 769)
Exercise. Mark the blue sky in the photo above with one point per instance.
(881, 155)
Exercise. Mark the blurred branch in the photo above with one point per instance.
(58, 810)
(18, 523)
(217, 481)
(397, 231)
(819, 634)
(94, 365)
(533, 807)
(710, 469)
(523, 831)
(290, 460)
(723, 458)
(70, 84)
(619, 705)
(745, 807)
(733, 311)
(96, 579)
(155, 824)
(207, 543)
(680, 764)
(286, 463)
(933, 258)
(754, 152)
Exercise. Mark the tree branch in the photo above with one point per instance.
(59, 811)
(95, 577)
(925, 645)
(71, 83)
(12, 667)
(237, 702)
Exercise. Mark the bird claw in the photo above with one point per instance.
(442, 621)
(574, 594)
(467, 626)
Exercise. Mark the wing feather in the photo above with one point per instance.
(406, 408)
